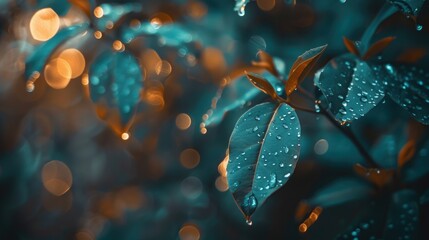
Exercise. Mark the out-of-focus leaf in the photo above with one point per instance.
(116, 80)
(424, 198)
(377, 47)
(169, 34)
(113, 12)
(263, 151)
(379, 177)
(351, 46)
(237, 93)
(61, 7)
(83, 5)
(302, 67)
(37, 59)
(406, 153)
(418, 167)
(339, 192)
(266, 62)
(403, 216)
(263, 85)
(412, 55)
(350, 87)
(408, 87)
(408, 7)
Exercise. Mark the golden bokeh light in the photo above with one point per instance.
(98, 12)
(118, 45)
(183, 121)
(214, 61)
(266, 5)
(221, 184)
(98, 34)
(163, 68)
(75, 59)
(56, 177)
(221, 168)
(85, 79)
(125, 136)
(58, 73)
(44, 24)
(189, 158)
(189, 232)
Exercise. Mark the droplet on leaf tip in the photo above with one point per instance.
(125, 136)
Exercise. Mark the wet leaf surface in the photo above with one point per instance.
(263, 151)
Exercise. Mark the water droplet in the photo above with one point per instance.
(249, 204)
(249, 222)
(30, 86)
(273, 180)
(255, 129)
(419, 27)
(364, 99)
(257, 118)
(279, 137)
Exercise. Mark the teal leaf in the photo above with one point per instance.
(403, 216)
(263, 152)
(38, 58)
(61, 7)
(236, 94)
(341, 191)
(116, 79)
(350, 87)
(407, 86)
(169, 34)
(409, 7)
(424, 198)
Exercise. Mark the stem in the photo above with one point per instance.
(344, 129)
(385, 12)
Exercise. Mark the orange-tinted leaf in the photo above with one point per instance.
(412, 55)
(302, 67)
(351, 46)
(267, 62)
(379, 177)
(82, 5)
(407, 153)
(263, 85)
(377, 47)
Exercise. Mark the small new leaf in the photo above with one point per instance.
(351, 46)
(302, 67)
(263, 85)
(377, 47)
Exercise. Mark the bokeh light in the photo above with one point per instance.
(75, 60)
(44, 24)
(56, 177)
(58, 73)
(190, 158)
(183, 121)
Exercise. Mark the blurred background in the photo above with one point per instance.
(75, 164)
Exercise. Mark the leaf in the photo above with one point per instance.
(263, 151)
(172, 34)
(403, 216)
(266, 62)
(377, 47)
(351, 46)
(339, 192)
(60, 7)
(406, 153)
(238, 93)
(380, 177)
(411, 55)
(350, 87)
(38, 58)
(302, 67)
(116, 80)
(408, 7)
(263, 85)
(408, 86)
(83, 5)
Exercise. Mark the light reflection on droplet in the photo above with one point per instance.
(44, 24)
(189, 232)
(56, 177)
